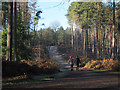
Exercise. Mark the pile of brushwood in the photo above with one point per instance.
(90, 63)
(106, 64)
(27, 67)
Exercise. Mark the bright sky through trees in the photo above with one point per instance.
(52, 12)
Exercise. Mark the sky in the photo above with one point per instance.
(53, 12)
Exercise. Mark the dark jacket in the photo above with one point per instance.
(77, 61)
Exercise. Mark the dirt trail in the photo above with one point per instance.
(76, 79)
(56, 56)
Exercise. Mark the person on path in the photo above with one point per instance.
(77, 62)
(71, 62)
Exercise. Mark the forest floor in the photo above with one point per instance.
(73, 79)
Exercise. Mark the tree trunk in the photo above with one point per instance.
(9, 32)
(3, 19)
(114, 39)
(92, 43)
(14, 32)
(72, 36)
(95, 51)
(84, 37)
(97, 25)
(86, 44)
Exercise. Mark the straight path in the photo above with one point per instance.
(57, 57)
(75, 79)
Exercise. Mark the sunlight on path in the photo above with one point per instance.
(56, 56)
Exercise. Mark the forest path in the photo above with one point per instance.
(75, 79)
(64, 66)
